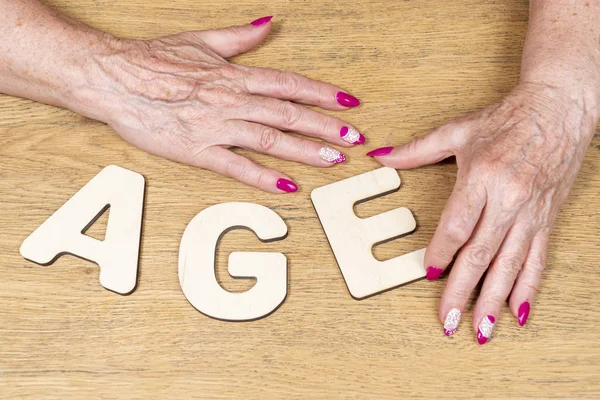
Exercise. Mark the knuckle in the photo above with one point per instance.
(457, 132)
(456, 228)
(197, 152)
(269, 138)
(289, 83)
(531, 287)
(290, 114)
(327, 124)
(234, 77)
(262, 180)
(536, 266)
(230, 71)
(220, 96)
(416, 143)
(234, 168)
(478, 257)
(515, 195)
(323, 96)
(510, 266)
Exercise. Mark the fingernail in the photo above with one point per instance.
(332, 155)
(262, 21)
(286, 185)
(524, 312)
(433, 273)
(451, 322)
(382, 151)
(347, 100)
(351, 135)
(484, 332)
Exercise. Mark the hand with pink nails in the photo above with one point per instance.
(517, 161)
(177, 96)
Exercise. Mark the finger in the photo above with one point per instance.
(266, 140)
(472, 262)
(288, 116)
(457, 222)
(290, 86)
(227, 163)
(429, 149)
(235, 40)
(500, 280)
(530, 276)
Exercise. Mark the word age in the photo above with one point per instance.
(351, 239)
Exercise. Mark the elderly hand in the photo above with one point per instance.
(517, 161)
(179, 98)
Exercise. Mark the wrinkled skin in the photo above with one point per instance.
(517, 161)
(179, 98)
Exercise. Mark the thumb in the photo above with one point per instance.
(425, 150)
(229, 42)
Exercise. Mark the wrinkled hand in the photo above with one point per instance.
(179, 98)
(517, 161)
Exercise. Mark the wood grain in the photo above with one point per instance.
(415, 65)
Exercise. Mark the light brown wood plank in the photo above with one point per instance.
(415, 65)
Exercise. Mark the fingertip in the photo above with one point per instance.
(285, 185)
(262, 21)
(484, 328)
(346, 100)
(331, 156)
(523, 313)
(382, 151)
(520, 308)
(433, 273)
(450, 318)
(350, 136)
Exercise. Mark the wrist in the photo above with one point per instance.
(92, 91)
(561, 51)
(571, 87)
(568, 104)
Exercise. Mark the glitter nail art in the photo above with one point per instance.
(452, 321)
(332, 155)
(484, 331)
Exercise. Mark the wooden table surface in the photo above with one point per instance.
(415, 65)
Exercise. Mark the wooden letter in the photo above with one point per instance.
(197, 263)
(117, 255)
(352, 238)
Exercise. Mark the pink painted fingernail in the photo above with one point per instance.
(347, 100)
(451, 322)
(382, 151)
(351, 135)
(332, 155)
(433, 273)
(286, 185)
(524, 312)
(262, 21)
(484, 332)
